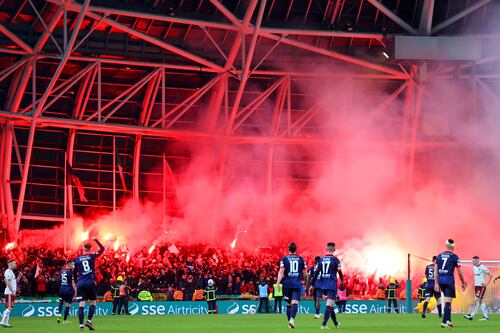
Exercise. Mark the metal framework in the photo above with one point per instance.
(74, 74)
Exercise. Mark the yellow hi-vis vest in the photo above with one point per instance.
(275, 290)
(145, 296)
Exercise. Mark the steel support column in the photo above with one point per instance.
(223, 85)
(246, 69)
(136, 167)
(38, 111)
(425, 26)
(415, 123)
(3, 214)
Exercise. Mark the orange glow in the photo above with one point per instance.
(385, 260)
(10, 246)
(108, 236)
(151, 249)
(84, 236)
(116, 246)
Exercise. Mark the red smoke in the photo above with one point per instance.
(353, 190)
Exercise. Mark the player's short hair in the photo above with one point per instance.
(316, 259)
(434, 258)
(475, 257)
(330, 245)
(450, 243)
(68, 262)
(292, 247)
(87, 246)
(10, 261)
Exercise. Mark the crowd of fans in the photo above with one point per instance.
(187, 269)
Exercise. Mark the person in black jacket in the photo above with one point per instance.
(115, 291)
(391, 294)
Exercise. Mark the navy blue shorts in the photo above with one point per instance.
(430, 292)
(330, 294)
(448, 290)
(66, 297)
(292, 294)
(86, 292)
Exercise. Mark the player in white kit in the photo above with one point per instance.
(482, 278)
(10, 292)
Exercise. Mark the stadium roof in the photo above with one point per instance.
(74, 76)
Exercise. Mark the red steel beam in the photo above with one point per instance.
(227, 13)
(13, 37)
(156, 41)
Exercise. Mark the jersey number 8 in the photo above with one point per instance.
(86, 266)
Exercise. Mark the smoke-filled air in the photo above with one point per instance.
(351, 188)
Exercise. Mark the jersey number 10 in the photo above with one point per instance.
(294, 266)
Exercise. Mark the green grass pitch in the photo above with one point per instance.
(255, 323)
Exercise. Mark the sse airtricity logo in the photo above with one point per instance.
(29, 311)
(233, 309)
(133, 309)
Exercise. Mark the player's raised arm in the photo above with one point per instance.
(101, 247)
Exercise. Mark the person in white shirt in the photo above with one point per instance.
(482, 278)
(10, 292)
(263, 296)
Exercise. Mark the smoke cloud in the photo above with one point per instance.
(353, 189)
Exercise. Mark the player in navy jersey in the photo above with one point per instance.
(429, 291)
(292, 270)
(85, 281)
(66, 290)
(329, 266)
(315, 290)
(444, 270)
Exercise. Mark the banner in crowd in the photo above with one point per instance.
(191, 308)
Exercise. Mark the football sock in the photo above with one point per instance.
(60, 307)
(318, 306)
(4, 315)
(91, 312)
(288, 311)
(485, 310)
(447, 312)
(475, 308)
(66, 312)
(333, 315)
(326, 317)
(440, 309)
(295, 309)
(80, 314)
(424, 309)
